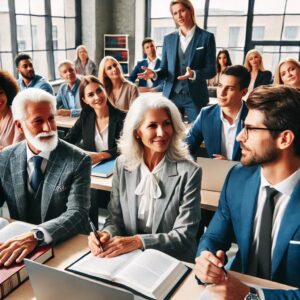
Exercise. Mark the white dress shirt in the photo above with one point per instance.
(101, 139)
(228, 135)
(185, 40)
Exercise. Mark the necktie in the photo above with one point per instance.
(264, 263)
(37, 174)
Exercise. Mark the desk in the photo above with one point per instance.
(68, 251)
(65, 122)
(100, 183)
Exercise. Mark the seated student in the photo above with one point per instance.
(67, 98)
(43, 180)
(156, 188)
(288, 72)
(28, 78)
(259, 205)
(97, 128)
(83, 64)
(153, 62)
(218, 125)
(8, 90)
(120, 91)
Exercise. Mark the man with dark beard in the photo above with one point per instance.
(259, 205)
(44, 180)
(28, 77)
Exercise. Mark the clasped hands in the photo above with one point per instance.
(114, 246)
(209, 269)
(149, 74)
(17, 248)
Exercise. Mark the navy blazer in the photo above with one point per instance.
(234, 219)
(208, 128)
(262, 78)
(202, 60)
(84, 129)
(158, 83)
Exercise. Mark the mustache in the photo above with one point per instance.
(46, 134)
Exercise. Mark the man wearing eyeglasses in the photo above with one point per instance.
(218, 125)
(259, 206)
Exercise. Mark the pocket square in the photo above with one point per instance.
(199, 48)
(295, 242)
(60, 188)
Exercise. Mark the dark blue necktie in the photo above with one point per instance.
(37, 174)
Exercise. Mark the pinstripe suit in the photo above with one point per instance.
(176, 213)
(65, 193)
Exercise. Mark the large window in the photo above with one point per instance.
(45, 29)
(271, 26)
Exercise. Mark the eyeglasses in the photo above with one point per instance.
(247, 128)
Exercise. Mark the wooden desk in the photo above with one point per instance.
(69, 251)
(65, 122)
(100, 183)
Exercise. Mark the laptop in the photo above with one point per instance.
(49, 283)
(214, 172)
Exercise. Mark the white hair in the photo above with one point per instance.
(30, 95)
(131, 149)
(65, 62)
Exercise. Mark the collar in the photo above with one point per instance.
(75, 86)
(152, 61)
(30, 154)
(189, 33)
(286, 186)
(237, 117)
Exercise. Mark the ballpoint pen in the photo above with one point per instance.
(96, 235)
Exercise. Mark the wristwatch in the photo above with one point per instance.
(252, 295)
(38, 235)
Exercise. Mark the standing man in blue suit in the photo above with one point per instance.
(270, 143)
(153, 62)
(219, 124)
(188, 60)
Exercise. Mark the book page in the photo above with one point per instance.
(148, 273)
(105, 268)
(13, 229)
(3, 223)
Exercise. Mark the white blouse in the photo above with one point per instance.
(101, 139)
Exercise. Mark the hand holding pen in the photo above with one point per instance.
(97, 236)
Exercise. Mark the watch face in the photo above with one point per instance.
(39, 235)
(251, 296)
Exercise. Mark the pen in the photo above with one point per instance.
(96, 235)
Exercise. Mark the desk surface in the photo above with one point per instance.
(65, 122)
(69, 251)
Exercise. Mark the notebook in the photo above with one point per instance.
(104, 168)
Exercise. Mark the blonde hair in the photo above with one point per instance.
(277, 77)
(247, 63)
(132, 150)
(187, 4)
(104, 78)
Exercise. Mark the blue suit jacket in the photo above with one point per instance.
(202, 60)
(208, 128)
(158, 83)
(234, 220)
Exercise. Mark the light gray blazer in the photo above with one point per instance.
(176, 214)
(65, 198)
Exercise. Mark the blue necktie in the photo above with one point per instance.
(37, 174)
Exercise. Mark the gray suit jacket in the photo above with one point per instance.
(176, 214)
(66, 191)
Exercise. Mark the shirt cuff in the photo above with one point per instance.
(194, 76)
(144, 246)
(155, 76)
(260, 293)
(47, 236)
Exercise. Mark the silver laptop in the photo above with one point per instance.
(214, 172)
(49, 283)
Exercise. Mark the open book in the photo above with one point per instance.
(103, 168)
(13, 276)
(151, 273)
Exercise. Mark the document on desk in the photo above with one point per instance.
(104, 168)
(150, 273)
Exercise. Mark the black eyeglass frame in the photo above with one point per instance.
(247, 128)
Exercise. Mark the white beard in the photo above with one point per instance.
(36, 142)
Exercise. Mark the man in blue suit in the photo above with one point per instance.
(188, 60)
(270, 143)
(219, 124)
(152, 62)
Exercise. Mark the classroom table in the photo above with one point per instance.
(65, 122)
(72, 249)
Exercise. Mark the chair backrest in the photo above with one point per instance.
(214, 173)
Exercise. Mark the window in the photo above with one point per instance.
(41, 32)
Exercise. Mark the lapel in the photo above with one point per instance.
(132, 178)
(173, 50)
(89, 124)
(247, 213)
(216, 129)
(236, 147)
(157, 65)
(170, 179)
(193, 44)
(18, 167)
(112, 127)
(289, 223)
(54, 169)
